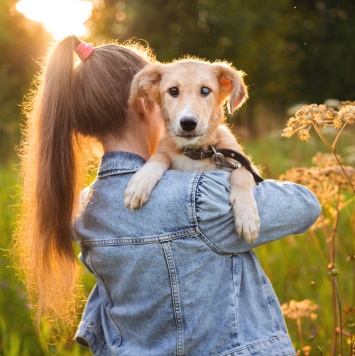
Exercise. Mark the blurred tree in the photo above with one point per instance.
(322, 39)
(292, 51)
(21, 42)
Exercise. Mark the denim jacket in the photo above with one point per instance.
(173, 278)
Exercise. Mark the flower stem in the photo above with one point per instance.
(337, 136)
(332, 150)
(335, 318)
(299, 328)
(322, 137)
(340, 315)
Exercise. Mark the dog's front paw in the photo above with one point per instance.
(141, 185)
(247, 224)
(246, 217)
(136, 194)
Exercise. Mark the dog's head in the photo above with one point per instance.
(191, 94)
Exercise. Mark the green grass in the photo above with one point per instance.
(296, 266)
(17, 333)
(17, 336)
(298, 271)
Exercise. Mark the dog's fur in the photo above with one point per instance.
(207, 112)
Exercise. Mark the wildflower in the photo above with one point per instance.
(313, 316)
(338, 121)
(327, 181)
(321, 116)
(296, 310)
(288, 132)
(347, 113)
(306, 350)
(346, 103)
(304, 134)
(324, 160)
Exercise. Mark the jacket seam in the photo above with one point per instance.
(114, 172)
(109, 304)
(235, 299)
(270, 302)
(254, 344)
(86, 335)
(175, 297)
(141, 240)
(194, 199)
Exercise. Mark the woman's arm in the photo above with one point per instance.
(284, 208)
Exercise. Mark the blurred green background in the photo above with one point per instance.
(293, 52)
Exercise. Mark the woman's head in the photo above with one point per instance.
(101, 88)
(96, 88)
(74, 98)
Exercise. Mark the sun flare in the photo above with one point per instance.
(60, 17)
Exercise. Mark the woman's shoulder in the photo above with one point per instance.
(217, 180)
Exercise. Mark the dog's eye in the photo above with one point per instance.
(205, 91)
(174, 91)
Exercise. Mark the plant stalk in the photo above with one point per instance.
(333, 151)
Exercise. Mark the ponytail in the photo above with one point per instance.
(56, 163)
(50, 172)
(73, 100)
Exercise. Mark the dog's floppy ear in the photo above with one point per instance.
(146, 83)
(232, 85)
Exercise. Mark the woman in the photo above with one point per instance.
(173, 278)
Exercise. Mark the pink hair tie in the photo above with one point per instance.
(84, 50)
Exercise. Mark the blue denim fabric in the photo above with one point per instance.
(173, 278)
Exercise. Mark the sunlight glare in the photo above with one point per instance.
(60, 17)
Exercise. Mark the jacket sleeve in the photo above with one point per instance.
(284, 208)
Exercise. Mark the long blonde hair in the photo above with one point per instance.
(72, 99)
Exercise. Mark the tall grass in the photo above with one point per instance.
(17, 333)
(318, 281)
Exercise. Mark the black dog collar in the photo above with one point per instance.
(218, 157)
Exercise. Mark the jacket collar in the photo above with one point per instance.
(113, 163)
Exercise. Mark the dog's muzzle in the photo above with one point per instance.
(188, 123)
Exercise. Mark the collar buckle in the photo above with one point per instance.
(194, 152)
(220, 160)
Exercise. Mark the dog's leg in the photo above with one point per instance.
(142, 183)
(247, 222)
(246, 216)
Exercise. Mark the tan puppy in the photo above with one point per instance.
(191, 94)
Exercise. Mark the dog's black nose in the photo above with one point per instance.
(188, 123)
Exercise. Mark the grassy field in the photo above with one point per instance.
(297, 266)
